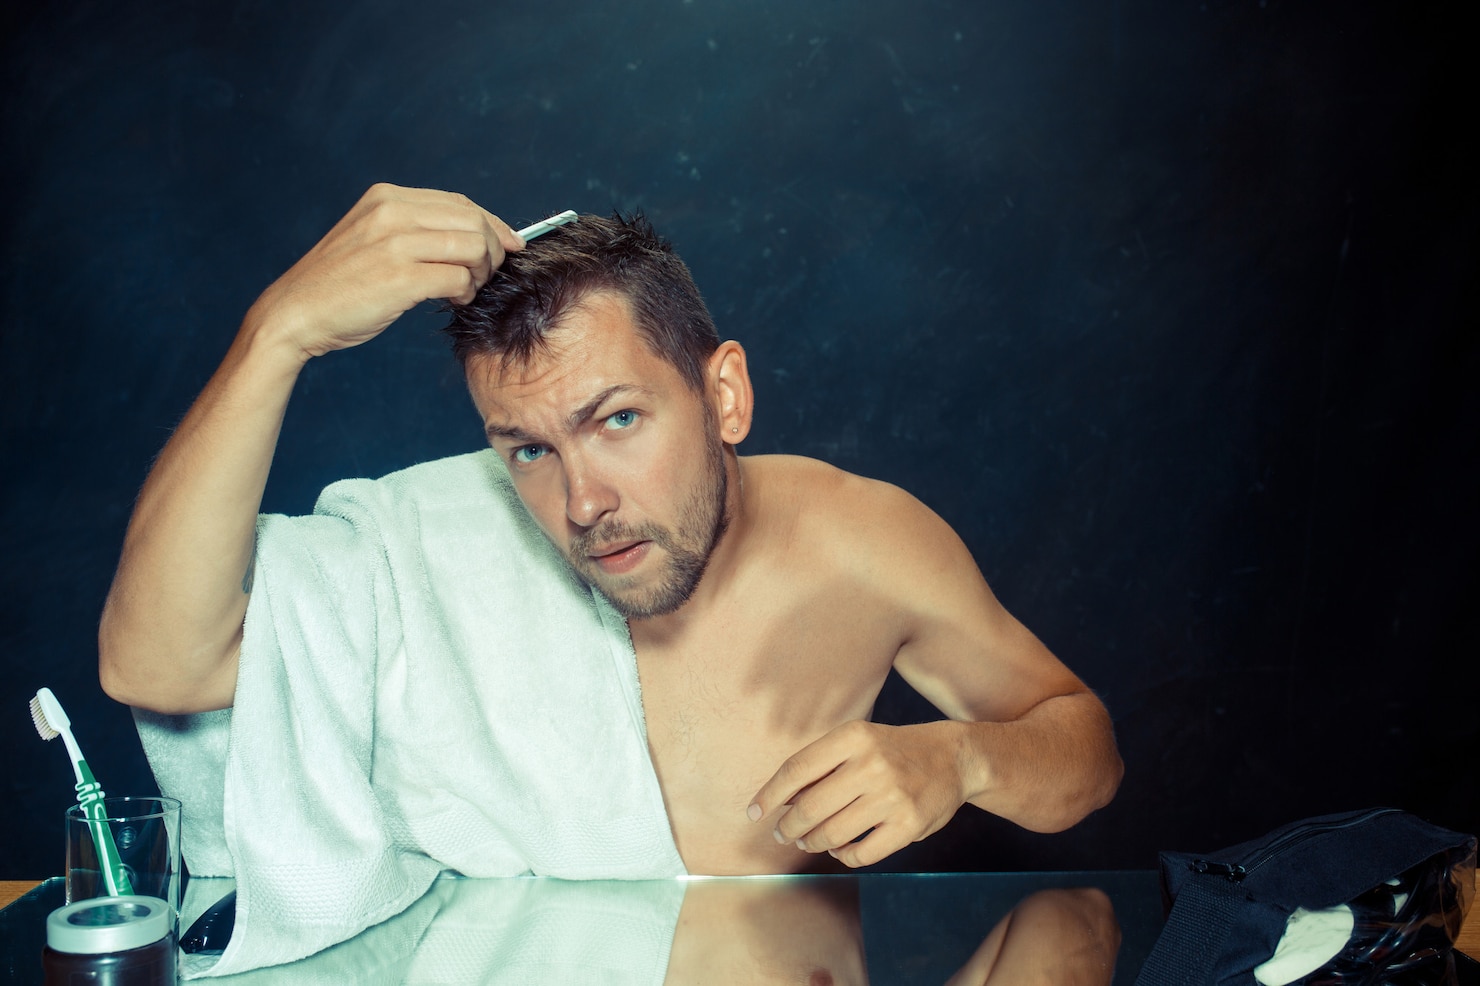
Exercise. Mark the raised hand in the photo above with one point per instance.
(395, 249)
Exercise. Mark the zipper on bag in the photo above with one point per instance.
(1235, 872)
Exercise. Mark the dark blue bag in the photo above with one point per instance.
(1407, 884)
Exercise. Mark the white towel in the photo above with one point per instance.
(505, 932)
(424, 685)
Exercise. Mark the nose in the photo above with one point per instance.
(588, 497)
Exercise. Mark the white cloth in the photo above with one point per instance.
(505, 932)
(1311, 939)
(424, 685)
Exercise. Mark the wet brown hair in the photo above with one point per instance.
(528, 295)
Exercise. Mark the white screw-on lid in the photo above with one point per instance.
(108, 924)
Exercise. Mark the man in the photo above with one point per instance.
(766, 597)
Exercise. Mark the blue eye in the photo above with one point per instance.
(622, 419)
(528, 453)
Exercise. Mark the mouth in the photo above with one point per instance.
(620, 558)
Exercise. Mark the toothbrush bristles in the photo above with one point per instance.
(39, 718)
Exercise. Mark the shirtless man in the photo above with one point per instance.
(767, 597)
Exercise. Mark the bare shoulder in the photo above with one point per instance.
(886, 553)
(869, 525)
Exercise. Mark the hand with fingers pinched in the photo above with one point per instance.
(866, 790)
(395, 249)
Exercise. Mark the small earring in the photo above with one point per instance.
(735, 428)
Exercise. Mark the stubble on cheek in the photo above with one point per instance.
(685, 553)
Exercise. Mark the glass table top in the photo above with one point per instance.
(1068, 928)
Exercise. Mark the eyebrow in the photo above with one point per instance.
(505, 431)
(576, 418)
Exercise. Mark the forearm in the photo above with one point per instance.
(1045, 770)
(172, 623)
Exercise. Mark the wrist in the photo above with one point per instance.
(973, 765)
(267, 340)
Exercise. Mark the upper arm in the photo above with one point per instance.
(135, 669)
(959, 647)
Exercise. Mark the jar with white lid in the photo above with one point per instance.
(111, 941)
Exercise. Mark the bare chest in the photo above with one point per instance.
(725, 712)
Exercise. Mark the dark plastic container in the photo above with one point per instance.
(111, 941)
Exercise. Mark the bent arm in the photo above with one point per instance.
(172, 625)
(1034, 744)
(1055, 937)
(173, 620)
(1024, 738)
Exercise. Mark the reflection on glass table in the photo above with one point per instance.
(1060, 928)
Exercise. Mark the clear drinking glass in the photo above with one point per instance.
(146, 834)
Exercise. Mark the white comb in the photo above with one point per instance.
(545, 225)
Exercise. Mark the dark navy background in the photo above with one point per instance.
(1162, 305)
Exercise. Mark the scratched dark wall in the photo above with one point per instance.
(1163, 306)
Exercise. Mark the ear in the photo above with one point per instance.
(729, 390)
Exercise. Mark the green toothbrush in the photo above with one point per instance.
(51, 722)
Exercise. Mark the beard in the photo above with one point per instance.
(686, 548)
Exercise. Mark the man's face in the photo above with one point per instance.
(613, 455)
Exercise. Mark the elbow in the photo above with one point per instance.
(1100, 787)
(1106, 782)
(1114, 775)
(1097, 790)
(109, 679)
(112, 665)
(117, 686)
(167, 697)
(113, 671)
(1101, 790)
(1101, 774)
(141, 673)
